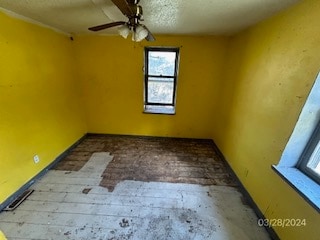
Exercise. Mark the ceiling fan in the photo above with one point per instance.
(133, 12)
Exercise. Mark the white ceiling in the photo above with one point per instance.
(203, 17)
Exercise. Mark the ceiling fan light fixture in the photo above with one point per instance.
(134, 13)
(124, 31)
(140, 33)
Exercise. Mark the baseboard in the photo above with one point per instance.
(92, 134)
(248, 197)
(10, 199)
(246, 194)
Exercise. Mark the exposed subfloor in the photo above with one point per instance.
(176, 160)
(73, 205)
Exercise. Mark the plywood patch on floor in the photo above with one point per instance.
(71, 205)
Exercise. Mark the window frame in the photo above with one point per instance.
(307, 152)
(288, 166)
(157, 107)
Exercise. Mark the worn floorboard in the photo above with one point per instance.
(73, 205)
(151, 159)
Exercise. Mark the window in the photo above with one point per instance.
(161, 68)
(299, 163)
(310, 159)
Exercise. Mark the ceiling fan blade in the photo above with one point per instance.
(104, 26)
(149, 37)
(124, 7)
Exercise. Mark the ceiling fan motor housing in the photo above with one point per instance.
(137, 12)
(133, 2)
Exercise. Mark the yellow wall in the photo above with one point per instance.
(112, 85)
(245, 92)
(39, 104)
(2, 237)
(270, 71)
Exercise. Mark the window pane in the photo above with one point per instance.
(161, 63)
(160, 90)
(314, 161)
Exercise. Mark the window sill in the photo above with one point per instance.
(168, 110)
(306, 187)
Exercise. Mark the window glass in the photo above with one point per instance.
(314, 161)
(161, 67)
(162, 63)
(160, 90)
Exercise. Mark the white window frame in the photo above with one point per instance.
(311, 149)
(289, 166)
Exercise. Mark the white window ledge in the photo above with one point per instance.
(305, 126)
(169, 110)
(305, 186)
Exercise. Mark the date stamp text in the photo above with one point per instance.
(282, 222)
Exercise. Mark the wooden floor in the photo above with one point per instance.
(73, 205)
(176, 160)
